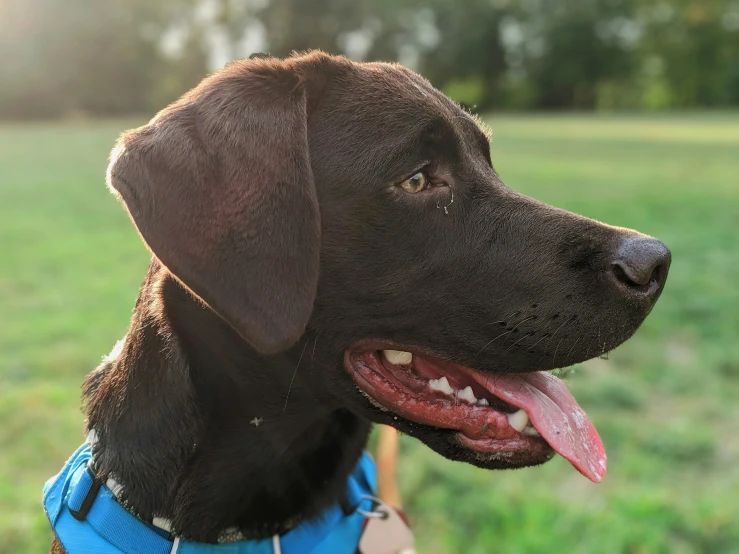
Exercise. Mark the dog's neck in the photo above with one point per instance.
(201, 430)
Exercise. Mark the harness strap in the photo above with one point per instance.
(95, 504)
(87, 517)
(84, 494)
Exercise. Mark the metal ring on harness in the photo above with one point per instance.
(379, 514)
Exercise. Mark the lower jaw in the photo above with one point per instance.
(527, 452)
(484, 431)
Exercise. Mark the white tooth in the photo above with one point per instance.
(483, 402)
(435, 384)
(467, 394)
(518, 420)
(445, 387)
(530, 431)
(398, 357)
(442, 385)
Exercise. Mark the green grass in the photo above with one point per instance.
(665, 403)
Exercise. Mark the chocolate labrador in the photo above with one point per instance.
(332, 246)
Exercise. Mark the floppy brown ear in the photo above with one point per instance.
(220, 187)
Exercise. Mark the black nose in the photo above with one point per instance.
(641, 264)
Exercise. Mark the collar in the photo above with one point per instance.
(86, 517)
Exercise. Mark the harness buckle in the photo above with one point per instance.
(83, 499)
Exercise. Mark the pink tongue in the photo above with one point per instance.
(554, 412)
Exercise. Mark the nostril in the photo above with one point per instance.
(659, 274)
(641, 281)
(642, 264)
(621, 275)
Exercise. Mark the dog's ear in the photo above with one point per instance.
(220, 187)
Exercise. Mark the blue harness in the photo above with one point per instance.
(87, 518)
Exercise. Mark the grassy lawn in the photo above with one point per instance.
(665, 403)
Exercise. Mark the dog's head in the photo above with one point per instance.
(354, 204)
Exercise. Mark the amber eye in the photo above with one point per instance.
(414, 184)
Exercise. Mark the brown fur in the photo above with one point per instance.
(270, 198)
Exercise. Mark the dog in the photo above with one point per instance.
(331, 247)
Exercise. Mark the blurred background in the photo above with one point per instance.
(626, 111)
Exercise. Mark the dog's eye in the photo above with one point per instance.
(414, 184)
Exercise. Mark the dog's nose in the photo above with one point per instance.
(641, 264)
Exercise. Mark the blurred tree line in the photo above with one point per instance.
(110, 57)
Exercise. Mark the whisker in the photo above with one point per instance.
(592, 342)
(523, 321)
(573, 346)
(313, 354)
(544, 336)
(554, 357)
(514, 314)
(293, 378)
(494, 323)
(507, 332)
(492, 341)
(523, 382)
(519, 340)
(565, 322)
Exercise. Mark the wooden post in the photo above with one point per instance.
(387, 462)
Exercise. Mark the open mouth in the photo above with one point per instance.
(520, 415)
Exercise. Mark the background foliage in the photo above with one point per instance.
(72, 57)
(665, 403)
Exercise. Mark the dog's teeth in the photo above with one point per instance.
(531, 431)
(442, 385)
(518, 420)
(398, 357)
(467, 394)
(483, 402)
(445, 387)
